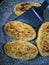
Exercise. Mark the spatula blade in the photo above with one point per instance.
(31, 17)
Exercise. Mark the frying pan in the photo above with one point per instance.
(6, 14)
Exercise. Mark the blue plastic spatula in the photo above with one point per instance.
(34, 16)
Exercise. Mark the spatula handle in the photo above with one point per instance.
(47, 1)
(44, 6)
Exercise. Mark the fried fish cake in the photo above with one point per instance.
(43, 39)
(22, 7)
(20, 50)
(20, 30)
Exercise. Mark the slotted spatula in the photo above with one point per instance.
(34, 16)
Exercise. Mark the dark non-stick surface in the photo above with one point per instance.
(6, 14)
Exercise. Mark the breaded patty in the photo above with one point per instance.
(43, 39)
(20, 30)
(20, 50)
(22, 7)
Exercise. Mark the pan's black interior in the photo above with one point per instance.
(6, 14)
